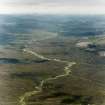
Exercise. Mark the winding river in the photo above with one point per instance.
(39, 88)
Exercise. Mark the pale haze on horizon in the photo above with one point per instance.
(52, 6)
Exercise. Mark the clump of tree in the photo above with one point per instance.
(82, 100)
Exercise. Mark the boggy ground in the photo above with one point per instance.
(22, 72)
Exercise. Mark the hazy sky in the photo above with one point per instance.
(53, 6)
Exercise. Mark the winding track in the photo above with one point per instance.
(67, 71)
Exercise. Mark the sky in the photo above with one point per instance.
(52, 6)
